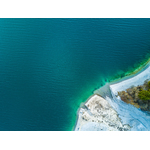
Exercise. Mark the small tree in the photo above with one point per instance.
(144, 95)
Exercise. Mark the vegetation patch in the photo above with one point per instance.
(145, 94)
(138, 96)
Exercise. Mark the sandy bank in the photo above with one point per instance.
(133, 81)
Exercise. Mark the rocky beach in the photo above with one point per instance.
(99, 115)
(117, 107)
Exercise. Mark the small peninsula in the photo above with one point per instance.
(118, 106)
(100, 116)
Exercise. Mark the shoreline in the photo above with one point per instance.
(81, 106)
(141, 67)
(133, 74)
(132, 80)
(92, 117)
(140, 72)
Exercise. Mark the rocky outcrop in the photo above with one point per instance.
(99, 115)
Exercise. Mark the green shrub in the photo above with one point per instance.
(144, 95)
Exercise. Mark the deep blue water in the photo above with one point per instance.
(49, 66)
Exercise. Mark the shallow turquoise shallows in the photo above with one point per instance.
(48, 67)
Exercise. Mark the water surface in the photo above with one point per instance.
(49, 66)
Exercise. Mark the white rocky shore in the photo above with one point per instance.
(99, 115)
(136, 80)
(110, 113)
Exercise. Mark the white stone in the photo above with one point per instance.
(99, 115)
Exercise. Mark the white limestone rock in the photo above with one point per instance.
(98, 115)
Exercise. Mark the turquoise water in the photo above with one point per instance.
(49, 66)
